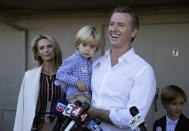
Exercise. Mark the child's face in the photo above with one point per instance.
(175, 108)
(87, 50)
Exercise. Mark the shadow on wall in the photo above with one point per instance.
(7, 119)
(6, 125)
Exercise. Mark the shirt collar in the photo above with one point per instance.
(79, 54)
(128, 56)
(170, 121)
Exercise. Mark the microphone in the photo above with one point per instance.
(137, 119)
(84, 116)
(57, 111)
(67, 114)
(94, 126)
(60, 106)
(70, 107)
(78, 113)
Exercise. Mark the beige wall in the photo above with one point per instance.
(12, 57)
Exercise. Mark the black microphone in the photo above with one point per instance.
(57, 111)
(137, 120)
(79, 115)
(67, 114)
(78, 111)
(65, 124)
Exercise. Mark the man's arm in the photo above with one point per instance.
(141, 96)
(103, 115)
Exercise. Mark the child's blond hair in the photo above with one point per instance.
(88, 35)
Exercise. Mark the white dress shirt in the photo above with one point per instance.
(129, 83)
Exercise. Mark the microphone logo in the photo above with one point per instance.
(136, 121)
(83, 116)
(60, 107)
(76, 111)
(68, 110)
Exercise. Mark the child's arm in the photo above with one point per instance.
(81, 85)
(64, 73)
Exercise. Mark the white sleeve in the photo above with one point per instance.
(141, 96)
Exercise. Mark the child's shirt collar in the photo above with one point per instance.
(170, 124)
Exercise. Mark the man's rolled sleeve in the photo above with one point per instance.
(120, 117)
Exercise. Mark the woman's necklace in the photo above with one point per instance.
(48, 72)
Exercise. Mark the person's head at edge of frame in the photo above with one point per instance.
(52, 46)
(173, 99)
(123, 26)
(88, 41)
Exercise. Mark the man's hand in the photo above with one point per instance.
(81, 85)
(103, 115)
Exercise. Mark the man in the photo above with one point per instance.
(121, 79)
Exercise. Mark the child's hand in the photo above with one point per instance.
(81, 85)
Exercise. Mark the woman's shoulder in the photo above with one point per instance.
(33, 70)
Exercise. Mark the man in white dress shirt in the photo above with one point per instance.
(121, 79)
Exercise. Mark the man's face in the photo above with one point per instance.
(175, 108)
(120, 31)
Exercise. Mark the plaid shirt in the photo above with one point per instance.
(73, 68)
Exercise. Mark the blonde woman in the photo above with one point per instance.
(38, 93)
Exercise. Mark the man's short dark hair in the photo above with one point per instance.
(134, 17)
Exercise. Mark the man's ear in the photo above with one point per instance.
(134, 32)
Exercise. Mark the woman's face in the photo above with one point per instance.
(46, 50)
